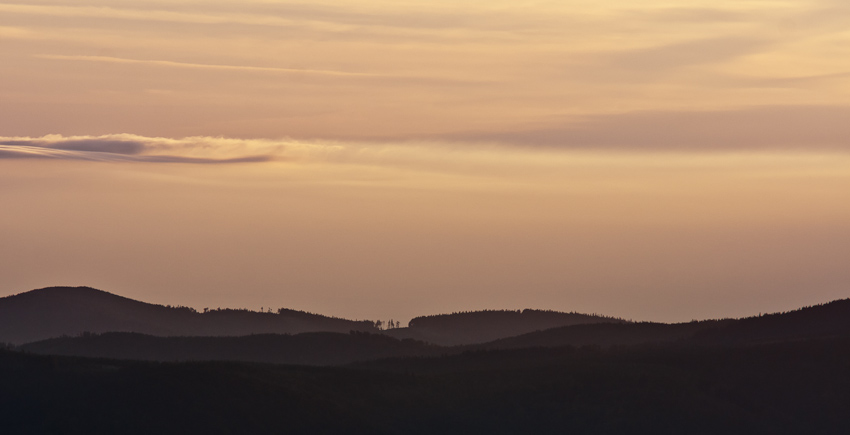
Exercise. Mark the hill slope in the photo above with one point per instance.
(483, 326)
(820, 321)
(309, 348)
(57, 311)
(782, 388)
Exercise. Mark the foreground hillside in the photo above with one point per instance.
(783, 388)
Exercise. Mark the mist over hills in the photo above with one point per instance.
(325, 348)
(339, 348)
(781, 373)
(69, 311)
(483, 326)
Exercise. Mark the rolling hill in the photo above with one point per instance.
(484, 326)
(57, 311)
(70, 311)
(308, 348)
(778, 388)
(825, 321)
(820, 321)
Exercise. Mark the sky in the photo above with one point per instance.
(660, 160)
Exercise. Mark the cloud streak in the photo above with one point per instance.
(767, 129)
(762, 128)
(112, 148)
(383, 79)
(168, 63)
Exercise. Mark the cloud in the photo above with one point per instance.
(383, 79)
(654, 63)
(396, 21)
(105, 146)
(764, 129)
(168, 63)
(697, 15)
(688, 53)
(116, 148)
(754, 128)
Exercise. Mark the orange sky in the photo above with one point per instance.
(664, 161)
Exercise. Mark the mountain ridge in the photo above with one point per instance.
(56, 311)
(53, 312)
(472, 327)
(821, 322)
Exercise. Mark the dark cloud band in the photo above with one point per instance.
(105, 150)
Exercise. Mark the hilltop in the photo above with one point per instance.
(57, 311)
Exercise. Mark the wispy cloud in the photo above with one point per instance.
(383, 79)
(762, 128)
(168, 63)
(115, 148)
(770, 129)
(107, 12)
(659, 59)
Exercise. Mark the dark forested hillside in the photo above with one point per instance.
(483, 326)
(607, 334)
(820, 321)
(309, 348)
(783, 373)
(56, 311)
(329, 348)
(69, 311)
(784, 388)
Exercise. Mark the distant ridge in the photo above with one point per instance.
(89, 322)
(82, 321)
(823, 322)
(483, 326)
(57, 311)
(827, 320)
(69, 311)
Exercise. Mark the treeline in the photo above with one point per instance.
(441, 320)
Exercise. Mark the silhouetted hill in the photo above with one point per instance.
(605, 334)
(310, 348)
(483, 326)
(783, 373)
(820, 321)
(823, 321)
(781, 388)
(56, 311)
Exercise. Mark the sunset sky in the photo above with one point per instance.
(654, 160)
